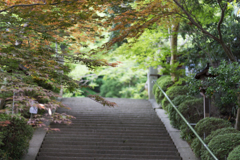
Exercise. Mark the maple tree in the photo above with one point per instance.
(32, 68)
(143, 15)
(196, 14)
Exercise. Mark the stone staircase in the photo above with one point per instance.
(131, 131)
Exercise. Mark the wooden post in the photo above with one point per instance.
(206, 101)
(206, 106)
(237, 124)
(2, 101)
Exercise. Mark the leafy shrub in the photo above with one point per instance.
(16, 137)
(209, 124)
(197, 146)
(172, 112)
(186, 133)
(191, 109)
(234, 154)
(221, 131)
(172, 92)
(176, 90)
(164, 82)
(222, 145)
(165, 102)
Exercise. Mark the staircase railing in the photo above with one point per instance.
(188, 124)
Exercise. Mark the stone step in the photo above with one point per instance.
(132, 121)
(101, 152)
(77, 145)
(84, 136)
(107, 133)
(116, 129)
(92, 149)
(161, 140)
(106, 142)
(165, 155)
(97, 158)
(111, 125)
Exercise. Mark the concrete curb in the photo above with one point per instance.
(36, 142)
(182, 146)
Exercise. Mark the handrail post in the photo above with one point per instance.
(150, 78)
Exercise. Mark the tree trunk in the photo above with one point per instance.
(173, 44)
(228, 52)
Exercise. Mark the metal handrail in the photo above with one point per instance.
(200, 139)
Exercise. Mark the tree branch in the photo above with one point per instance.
(30, 5)
(221, 19)
(195, 23)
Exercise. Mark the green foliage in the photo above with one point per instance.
(115, 88)
(164, 82)
(111, 88)
(234, 154)
(220, 131)
(135, 92)
(225, 82)
(222, 88)
(209, 124)
(191, 109)
(16, 137)
(124, 81)
(76, 93)
(172, 112)
(206, 127)
(145, 49)
(172, 92)
(222, 145)
(186, 133)
(197, 146)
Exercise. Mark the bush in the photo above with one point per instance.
(209, 124)
(16, 137)
(186, 133)
(164, 82)
(218, 132)
(172, 112)
(222, 145)
(172, 92)
(235, 154)
(165, 102)
(191, 109)
(197, 146)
